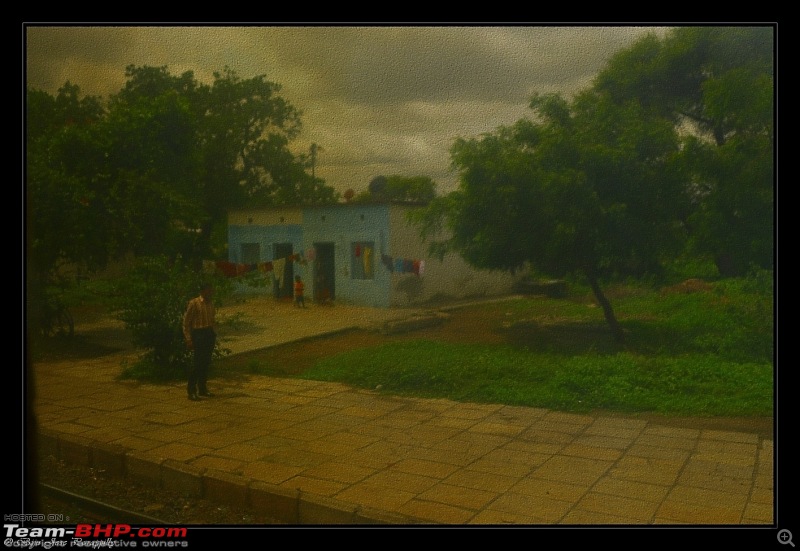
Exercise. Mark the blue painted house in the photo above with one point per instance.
(365, 254)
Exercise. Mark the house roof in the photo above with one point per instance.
(333, 205)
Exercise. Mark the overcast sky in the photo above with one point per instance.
(378, 100)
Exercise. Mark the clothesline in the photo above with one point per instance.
(403, 265)
(237, 269)
(277, 266)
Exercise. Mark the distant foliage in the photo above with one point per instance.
(415, 189)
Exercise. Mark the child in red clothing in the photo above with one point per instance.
(299, 287)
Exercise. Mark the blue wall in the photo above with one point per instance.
(341, 225)
(265, 236)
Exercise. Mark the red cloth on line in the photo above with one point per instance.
(228, 269)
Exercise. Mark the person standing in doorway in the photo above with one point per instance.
(299, 288)
(321, 291)
(199, 332)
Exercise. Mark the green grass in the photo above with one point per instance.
(707, 353)
(692, 385)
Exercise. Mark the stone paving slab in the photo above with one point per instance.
(398, 458)
(312, 452)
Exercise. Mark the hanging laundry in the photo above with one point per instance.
(367, 262)
(398, 265)
(408, 266)
(279, 269)
(358, 251)
(265, 267)
(421, 267)
(242, 269)
(415, 267)
(228, 269)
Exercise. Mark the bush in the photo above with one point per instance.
(151, 300)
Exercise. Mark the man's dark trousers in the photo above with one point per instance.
(203, 340)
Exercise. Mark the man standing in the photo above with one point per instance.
(199, 331)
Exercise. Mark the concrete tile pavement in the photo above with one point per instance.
(310, 452)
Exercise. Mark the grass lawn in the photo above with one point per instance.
(699, 352)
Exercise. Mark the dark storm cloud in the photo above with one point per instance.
(378, 99)
(92, 57)
(399, 64)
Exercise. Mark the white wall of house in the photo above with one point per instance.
(449, 278)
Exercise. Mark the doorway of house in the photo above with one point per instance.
(324, 273)
(283, 285)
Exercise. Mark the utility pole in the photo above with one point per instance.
(314, 149)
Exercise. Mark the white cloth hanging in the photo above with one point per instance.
(279, 270)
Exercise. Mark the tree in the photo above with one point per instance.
(153, 160)
(219, 147)
(716, 84)
(64, 147)
(377, 187)
(417, 189)
(582, 189)
(154, 170)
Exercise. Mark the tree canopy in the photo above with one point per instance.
(155, 168)
(716, 85)
(165, 154)
(668, 151)
(579, 189)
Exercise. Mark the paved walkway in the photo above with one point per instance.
(309, 452)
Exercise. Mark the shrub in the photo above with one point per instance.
(151, 300)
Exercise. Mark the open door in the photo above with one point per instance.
(324, 273)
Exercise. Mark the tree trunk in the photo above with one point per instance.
(608, 311)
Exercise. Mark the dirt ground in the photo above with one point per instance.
(478, 324)
(467, 325)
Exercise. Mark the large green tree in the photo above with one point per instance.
(154, 170)
(716, 85)
(153, 160)
(218, 146)
(583, 188)
(64, 148)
